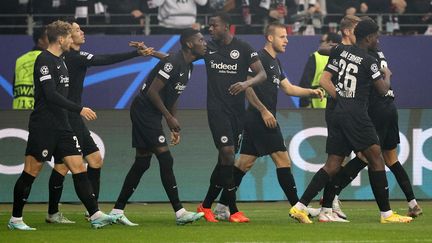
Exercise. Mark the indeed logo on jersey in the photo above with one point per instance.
(276, 81)
(179, 87)
(64, 80)
(223, 67)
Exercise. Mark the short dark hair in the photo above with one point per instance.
(223, 16)
(39, 33)
(269, 29)
(186, 35)
(69, 20)
(365, 28)
(333, 37)
(56, 29)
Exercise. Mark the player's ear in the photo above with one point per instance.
(269, 38)
(189, 44)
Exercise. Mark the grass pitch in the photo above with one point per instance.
(269, 223)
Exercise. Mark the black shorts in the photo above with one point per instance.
(385, 119)
(88, 146)
(226, 128)
(147, 131)
(43, 143)
(259, 140)
(347, 132)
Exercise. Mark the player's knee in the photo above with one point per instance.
(166, 160)
(332, 168)
(94, 160)
(62, 169)
(226, 155)
(244, 166)
(141, 164)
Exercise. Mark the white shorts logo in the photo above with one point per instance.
(235, 54)
(45, 153)
(224, 139)
(44, 70)
(161, 139)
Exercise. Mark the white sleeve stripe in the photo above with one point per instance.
(89, 56)
(332, 67)
(45, 77)
(375, 75)
(164, 74)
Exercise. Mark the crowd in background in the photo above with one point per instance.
(306, 17)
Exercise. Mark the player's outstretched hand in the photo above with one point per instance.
(146, 52)
(317, 93)
(237, 88)
(173, 124)
(88, 114)
(137, 44)
(269, 119)
(175, 138)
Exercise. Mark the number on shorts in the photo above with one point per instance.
(76, 142)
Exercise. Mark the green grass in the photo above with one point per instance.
(269, 223)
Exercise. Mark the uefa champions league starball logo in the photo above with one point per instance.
(44, 70)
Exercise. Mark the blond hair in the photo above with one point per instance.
(56, 29)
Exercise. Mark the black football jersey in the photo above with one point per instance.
(175, 72)
(226, 65)
(267, 92)
(356, 72)
(51, 82)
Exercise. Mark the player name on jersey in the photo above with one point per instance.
(351, 57)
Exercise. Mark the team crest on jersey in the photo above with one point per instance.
(374, 68)
(44, 70)
(45, 153)
(168, 67)
(161, 139)
(224, 139)
(254, 54)
(235, 54)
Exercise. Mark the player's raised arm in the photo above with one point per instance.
(142, 47)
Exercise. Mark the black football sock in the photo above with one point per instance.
(378, 181)
(21, 192)
(330, 191)
(319, 180)
(348, 173)
(55, 188)
(168, 179)
(403, 180)
(238, 177)
(85, 192)
(287, 183)
(214, 188)
(132, 179)
(226, 172)
(94, 177)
